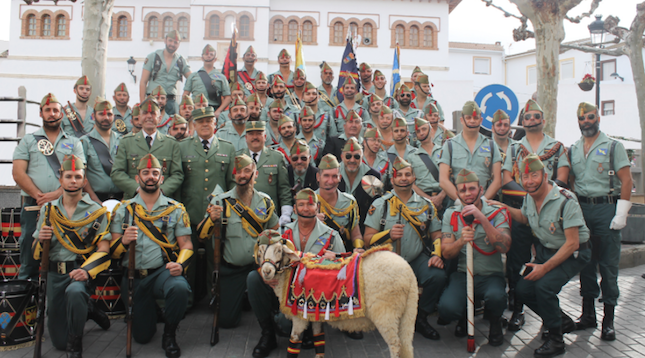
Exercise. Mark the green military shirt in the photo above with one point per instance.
(343, 202)
(125, 117)
(362, 170)
(323, 123)
(438, 138)
(288, 81)
(381, 163)
(238, 243)
(229, 134)
(318, 238)
(166, 78)
(203, 172)
(316, 146)
(85, 207)
(196, 86)
(87, 121)
(132, 148)
(429, 100)
(38, 168)
(252, 77)
(340, 112)
(411, 244)
(272, 138)
(480, 161)
(148, 254)
(393, 153)
(546, 145)
(264, 113)
(482, 264)
(98, 178)
(273, 178)
(409, 116)
(425, 180)
(333, 98)
(164, 123)
(592, 171)
(547, 225)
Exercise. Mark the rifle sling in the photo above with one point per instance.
(103, 153)
(243, 213)
(159, 236)
(208, 83)
(432, 167)
(52, 159)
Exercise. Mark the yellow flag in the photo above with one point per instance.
(300, 58)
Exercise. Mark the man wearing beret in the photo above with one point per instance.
(159, 94)
(323, 122)
(122, 112)
(248, 74)
(133, 147)
(36, 170)
(403, 215)
(302, 170)
(603, 183)
(328, 93)
(400, 134)
(160, 227)
(485, 227)
(284, 73)
(235, 130)
(247, 213)
(100, 147)
(349, 104)
(425, 161)
(164, 68)
(352, 126)
(562, 250)
(209, 82)
(77, 117)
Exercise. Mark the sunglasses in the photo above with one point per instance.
(349, 156)
(590, 117)
(302, 158)
(534, 115)
(406, 95)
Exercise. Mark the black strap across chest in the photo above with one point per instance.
(103, 153)
(432, 167)
(52, 159)
(213, 93)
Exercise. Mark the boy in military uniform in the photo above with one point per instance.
(77, 117)
(209, 82)
(247, 213)
(133, 147)
(603, 183)
(159, 227)
(164, 68)
(425, 161)
(562, 250)
(80, 240)
(122, 112)
(36, 164)
(486, 227)
(403, 215)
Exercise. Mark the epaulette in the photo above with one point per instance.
(224, 140)
(567, 194)
(348, 196)
(171, 137)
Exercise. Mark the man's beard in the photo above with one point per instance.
(590, 130)
(103, 126)
(288, 135)
(254, 116)
(150, 188)
(328, 83)
(169, 50)
(405, 101)
(350, 96)
(244, 183)
(180, 135)
(350, 170)
(239, 120)
(53, 124)
(504, 134)
(121, 103)
(310, 103)
(279, 95)
(300, 172)
(82, 99)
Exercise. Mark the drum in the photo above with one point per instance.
(10, 229)
(107, 293)
(9, 264)
(18, 309)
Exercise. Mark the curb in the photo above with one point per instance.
(631, 256)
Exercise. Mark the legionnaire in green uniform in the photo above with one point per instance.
(471, 150)
(273, 179)
(207, 163)
(324, 126)
(248, 74)
(235, 129)
(365, 72)
(164, 68)
(308, 234)
(423, 95)
(136, 119)
(373, 154)
(299, 82)
(209, 82)
(178, 127)
(133, 147)
(384, 123)
(438, 132)
(379, 89)
(352, 127)
(186, 108)
(36, 164)
(237, 92)
(562, 250)
(372, 104)
(100, 147)
(349, 104)
(403, 215)
(287, 129)
(425, 161)
(284, 73)
(400, 134)
(502, 132)
(254, 108)
(77, 117)
(200, 101)
(80, 241)
(328, 93)
(302, 171)
(407, 111)
(159, 94)
(247, 213)
(603, 183)
(486, 227)
(122, 112)
(261, 86)
(160, 227)
(308, 122)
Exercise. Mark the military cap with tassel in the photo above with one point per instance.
(329, 161)
(149, 161)
(72, 162)
(299, 147)
(351, 145)
(48, 99)
(466, 176)
(499, 115)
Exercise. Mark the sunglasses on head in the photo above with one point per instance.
(534, 115)
(349, 156)
(590, 117)
(406, 95)
(303, 158)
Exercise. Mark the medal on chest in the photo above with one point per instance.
(270, 178)
(550, 166)
(600, 168)
(120, 125)
(45, 147)
(487, 162)
(552, 228)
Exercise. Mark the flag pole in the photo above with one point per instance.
(471, 298)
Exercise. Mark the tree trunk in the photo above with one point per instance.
(97, 17)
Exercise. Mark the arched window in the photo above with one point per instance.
(123, 27)
(228, 29)
(153, 27)
(353, 29)
(367, 32)
(167, 25)
(278, 27)
(414, 36)
(338, 32)
(400, 35)
(47, 25)
(428, 37)
(245, 27)
(307, 32)
(31, 25)
(61, 26)
(182, 27)
(293, 31)
(213, 31)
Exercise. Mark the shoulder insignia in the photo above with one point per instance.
(566, 194)
(371, 210)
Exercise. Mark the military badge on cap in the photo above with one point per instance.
(531, 163)
(149, 161)
(375, 98)
(352, 145)
(283, 53)
(174, 34)
(470, 108)
(531, 105)
(499, 115)
(200, 113)
(466, 176)
(255, 126)
(201, 99)
(158, 91)
(241, 162)
(284, 120)
(349, 80)
(329, 161)
(49, 98)
(307, 194)
(585, 107)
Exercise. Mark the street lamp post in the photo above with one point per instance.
(131, 62)
(597, 31)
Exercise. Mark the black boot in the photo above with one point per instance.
(461, 330)
(568, 325)
(74, 346)
(267, 341)
(495, 334)
(168, 341)
(608, 332)
(588, 317)
(553, 346)
(517, 319)
(424, 328)
(97, 315)
(511, 295)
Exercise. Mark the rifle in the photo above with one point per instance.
(71, 115)
(398, 242)
(293, 100)
(326, 99)
(215, 289)
(128, 313)
(42, 289)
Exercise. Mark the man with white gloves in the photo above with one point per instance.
(603, 183)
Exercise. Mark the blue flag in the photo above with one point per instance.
(396, 70)
(348, 67)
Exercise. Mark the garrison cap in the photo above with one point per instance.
(186, 101)
(283, 120)
(430, 109)
(351, 145)
(400, 163)
(470, 108)
(309, 86)
(329, 161)
(149, 161)
(135, 110)
(237, 101)
(324, 66)
(277, 80)
(275, 104)
(242, 161)
(375, 98)
(177, 119)
(423, 79)
(158, 91)
(249, 50)
(201, 99)
(351, 115)
(253, 99)
(283, 53)
(466, 176)
(102, 104)
(300, 146)
(307, 194)
(585, 107)
(174, 34)
(377, 73)
(200, 113)
(72, 162)
(261, 76)
(386, 110)
(255, 126)
(404, 88)
(399, 122)
(306, 112)
(531, 105)
(149, 104)
(299, 74)
(237, 86)
(372, 133)
(49, 98)
(83, 81)
(417, 69)
(499, 115)
(364, 66)
(121, 88)
(418, 122)
(208, 48)
(349, 80)
(531, 163)
(268, 237)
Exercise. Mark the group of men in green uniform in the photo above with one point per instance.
(265, 152)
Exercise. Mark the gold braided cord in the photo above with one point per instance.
(328, 209)
(58, 220)
(141, 215)
(409, 215)
(245, 224)
(57, 216)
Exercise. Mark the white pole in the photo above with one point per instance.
(470, 289)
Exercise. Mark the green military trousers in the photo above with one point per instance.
(199, 271)
(264, 301)
(66, 308)
(233, 281)
(520, 251)
(606, 254)
(160, 285)
(491, 289)
(28, 222)
(542, 295)
(432, 279)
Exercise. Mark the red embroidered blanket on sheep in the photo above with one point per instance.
(320, 290)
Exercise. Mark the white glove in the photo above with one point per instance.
(285, 218)
(457, 202)
(622, 209)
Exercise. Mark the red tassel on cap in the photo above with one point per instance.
(105, 111)
(376, 135)
(85, 80)
(234, 171)
(73, 164)
(526, 168)
(149, 165)
(122, 85)
(474, 113)
(394, 172)
(311, 199)
(351, 146)
(297, 149)
(149, 106)
(49, 96)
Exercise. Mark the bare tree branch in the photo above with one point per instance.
(506, 13)
(594, 6)
(521, 33)
(615, 52)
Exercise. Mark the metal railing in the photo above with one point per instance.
(21, 121)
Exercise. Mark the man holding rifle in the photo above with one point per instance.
(158, 226)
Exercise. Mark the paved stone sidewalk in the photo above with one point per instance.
(194, 334)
